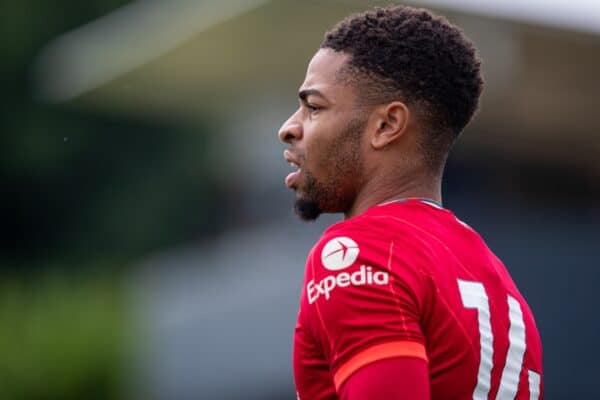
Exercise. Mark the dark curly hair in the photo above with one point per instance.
(408, 54)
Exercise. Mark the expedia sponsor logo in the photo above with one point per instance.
(339, 253)
(363, 276)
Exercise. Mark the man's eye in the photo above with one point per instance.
(312, 108)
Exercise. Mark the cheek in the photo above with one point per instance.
(320, 145)
(320, 159)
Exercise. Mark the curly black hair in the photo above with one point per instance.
(408, 54)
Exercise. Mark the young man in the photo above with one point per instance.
(401, 300)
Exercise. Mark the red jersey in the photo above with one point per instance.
(408, 279)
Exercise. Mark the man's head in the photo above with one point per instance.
(386, 95)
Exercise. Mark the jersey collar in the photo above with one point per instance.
(430, 202)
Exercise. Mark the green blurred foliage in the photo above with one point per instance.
(78, 186)
(62, 339)
(94, 187)
(84, 194)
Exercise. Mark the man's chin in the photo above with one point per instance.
(307, 210)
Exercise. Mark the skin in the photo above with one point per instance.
(351, 156)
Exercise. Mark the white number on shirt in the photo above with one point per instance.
(473, 295)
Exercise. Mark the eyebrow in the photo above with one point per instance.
(303, 94)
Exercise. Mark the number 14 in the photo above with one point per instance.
(473, 295)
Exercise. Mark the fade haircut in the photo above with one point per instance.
(407, 54)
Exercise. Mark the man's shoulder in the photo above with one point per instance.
(351, 240)
(415, 221)
(373, 241)
(377, 222)
(404, 237)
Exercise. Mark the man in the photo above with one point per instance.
(401, 300)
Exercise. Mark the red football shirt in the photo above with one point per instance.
(408, 279)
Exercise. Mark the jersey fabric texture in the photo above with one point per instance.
(408, 279)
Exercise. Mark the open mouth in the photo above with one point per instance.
(292, 178)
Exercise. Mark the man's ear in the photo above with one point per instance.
(392, 121)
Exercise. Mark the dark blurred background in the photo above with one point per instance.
(148, 245)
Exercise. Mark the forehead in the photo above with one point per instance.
(322, 71)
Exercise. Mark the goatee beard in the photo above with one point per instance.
(307, 210)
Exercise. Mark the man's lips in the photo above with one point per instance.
(291, 179)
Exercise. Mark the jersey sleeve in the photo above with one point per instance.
(311, 371)
(366, 300)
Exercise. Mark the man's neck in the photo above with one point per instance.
(383, 190)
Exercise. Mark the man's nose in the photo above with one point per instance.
(290, 130)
